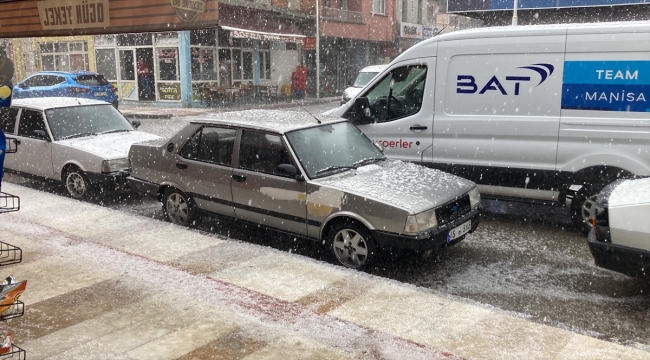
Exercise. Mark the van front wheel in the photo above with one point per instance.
(582, 208)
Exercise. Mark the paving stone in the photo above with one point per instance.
(232, 346)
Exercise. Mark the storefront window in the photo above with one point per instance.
(134, 40)
(204, 37)
(64, 56)
(166, 39)
(168, 63)
(105, 59)
(203, 64)
(127, 61)
(265, 65)
(236, 64)
(104, 40)
(248, 65)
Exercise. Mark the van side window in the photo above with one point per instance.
(211, 144)
(30, 120)
(262, 152)
(399, 94)
(8, 119)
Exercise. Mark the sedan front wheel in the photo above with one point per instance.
(352, 245)
(76, 183)
(178, 208)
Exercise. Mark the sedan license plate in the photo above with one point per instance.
(459, 231)
(100, 93)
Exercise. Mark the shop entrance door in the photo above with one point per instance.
(145, 72)
(127, 80)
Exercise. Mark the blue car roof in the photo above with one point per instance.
(74, 73)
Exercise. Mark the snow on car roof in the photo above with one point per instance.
(374, 68)
(281, 121)
(44, 103)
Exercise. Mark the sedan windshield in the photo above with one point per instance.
(363, 78)
(328, 149)
(77, 121)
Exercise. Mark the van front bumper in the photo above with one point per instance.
(431, 240)
(622, 259)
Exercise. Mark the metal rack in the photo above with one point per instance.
(16, 353)
(10, 254)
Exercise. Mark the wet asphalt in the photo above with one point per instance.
(523, 258)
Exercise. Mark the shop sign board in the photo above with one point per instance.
(169, 91)
(428, 32)
(310, 43)
(496, 5)
(188, 10)
(410, 31)
(264, 36)
(73, 14)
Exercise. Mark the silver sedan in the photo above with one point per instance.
(318, 178)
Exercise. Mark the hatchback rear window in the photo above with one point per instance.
(91, 80)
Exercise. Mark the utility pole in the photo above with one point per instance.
(514, 13)
(317, 52)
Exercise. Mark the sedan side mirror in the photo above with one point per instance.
(41, 135)
(136, 123)
(360, 112)
(287, 170)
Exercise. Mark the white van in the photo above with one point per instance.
(548, 114)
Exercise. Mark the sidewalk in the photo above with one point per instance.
(153, 111)
(105, 284)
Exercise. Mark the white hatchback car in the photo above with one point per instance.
(365, 75)
(82, 142)
(619, 239)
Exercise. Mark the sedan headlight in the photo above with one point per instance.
(109, 166)
(421, 222)
(474, 197)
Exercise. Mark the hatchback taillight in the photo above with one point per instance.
(113, 89)
(78, 90)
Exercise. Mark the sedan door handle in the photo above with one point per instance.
(181, 166)
(418, 127)
(239, 178)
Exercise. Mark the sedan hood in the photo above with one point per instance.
(406, 185)
(109, 146)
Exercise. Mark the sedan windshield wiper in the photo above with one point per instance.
(366, 161)
(76, 136)
(334, 168)
(114, 131)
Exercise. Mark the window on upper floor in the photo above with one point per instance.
(379, 7)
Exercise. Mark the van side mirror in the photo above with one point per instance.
(379, 147)
(361, 113)
(136, 123)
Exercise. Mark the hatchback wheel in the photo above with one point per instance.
(179, 208)
(76, 183)
(352, 245)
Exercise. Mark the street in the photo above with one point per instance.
(523, 259)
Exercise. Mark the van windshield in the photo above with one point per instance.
(364, 78)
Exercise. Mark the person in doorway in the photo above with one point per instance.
(144, 80)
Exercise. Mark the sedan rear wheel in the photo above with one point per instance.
(352, 245)
(76, 183)
(179, 208)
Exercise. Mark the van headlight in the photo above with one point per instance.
(109, 166)
(474, 197)
(421, 222)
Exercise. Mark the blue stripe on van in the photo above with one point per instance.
(633, 98)
(636, 72)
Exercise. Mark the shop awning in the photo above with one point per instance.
(265, 36)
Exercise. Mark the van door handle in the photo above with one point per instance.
(181, 166)
(239, 178)
(418, 127)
